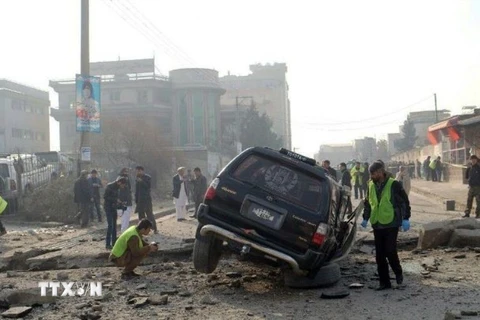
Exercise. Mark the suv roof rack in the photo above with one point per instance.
(297, 156)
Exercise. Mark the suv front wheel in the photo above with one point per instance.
(206, 252)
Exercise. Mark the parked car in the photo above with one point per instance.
(280, 206)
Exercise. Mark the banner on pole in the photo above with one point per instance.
(87, 111)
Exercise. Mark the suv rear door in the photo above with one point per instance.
(271, 197)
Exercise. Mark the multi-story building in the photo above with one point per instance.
(267, 86)
(336, 153)
(424, 119)
(184, 107)
(24, 118)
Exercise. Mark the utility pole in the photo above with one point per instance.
(84, 70)
(436, 112)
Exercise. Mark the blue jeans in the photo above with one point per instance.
(111, 214)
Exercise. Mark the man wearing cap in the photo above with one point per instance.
(388, 208)
(473, 177)
(3, 206)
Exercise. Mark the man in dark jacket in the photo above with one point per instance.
(346, 181)
(199, 189)
(330, 171)
(427, 173)
(387, 207)
(83, 197)
(365, 178)
(95, 185)
(143, 198)
(473, 177)
(111, 204)
(125, 196)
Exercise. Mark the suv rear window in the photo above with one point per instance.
(281, 180)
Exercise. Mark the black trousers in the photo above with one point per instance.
(386, 249)
(145, 210)
(358, 188)
(2, 228)
(96, 207)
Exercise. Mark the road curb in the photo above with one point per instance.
(459, 205)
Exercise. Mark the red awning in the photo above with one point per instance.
(443, 124)
(433, 137)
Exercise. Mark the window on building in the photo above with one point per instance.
(115, 96)
(182, 119)
(39, 110)
(17, 133)
(18, 104)
(28, 135)
(28, 108)
(40, 136)
(142, 96)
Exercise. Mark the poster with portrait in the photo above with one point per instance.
(87, 110)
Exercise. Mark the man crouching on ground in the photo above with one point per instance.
(130, 248)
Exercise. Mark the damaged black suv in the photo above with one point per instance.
(277, 205)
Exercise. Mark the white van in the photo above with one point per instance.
(35, 174)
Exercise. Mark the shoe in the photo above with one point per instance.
(3, 232)
(384, 287)
(108, 247)
(399, 279)
(467, 214)
(126, 276)
(180, 220)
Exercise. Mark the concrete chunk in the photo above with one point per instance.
(467, 223)
(17, 312)
(464, 238)
(435, 234)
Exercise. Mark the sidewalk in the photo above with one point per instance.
(443, 191)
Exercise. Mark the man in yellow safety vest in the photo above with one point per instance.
(388, 208)
(130, 248)
(3, 206)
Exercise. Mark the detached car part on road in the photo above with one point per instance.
(281, 206)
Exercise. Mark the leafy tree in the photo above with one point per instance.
(256, 131)
(409, 133)
(382, 149)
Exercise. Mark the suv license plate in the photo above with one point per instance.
(264, 216)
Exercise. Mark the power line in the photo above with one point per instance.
(366, 119)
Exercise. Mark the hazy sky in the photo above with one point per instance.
(349, 61)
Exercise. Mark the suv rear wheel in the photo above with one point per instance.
(206, 252)
(327, 275)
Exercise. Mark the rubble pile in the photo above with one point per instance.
(53, 202)
(458, 233)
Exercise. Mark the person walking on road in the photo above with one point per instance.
(387, 207)
(439, 169)
(125, 196)
(473, 177)
(418, 169)
(83, 197)
(426, 169)
(143, 197)
(130, 248)
(179, 193)
(111, 204)
(346, 181)
(365, 177)
(199, 189)
(95, 185)
(433, 169)
(357, 177)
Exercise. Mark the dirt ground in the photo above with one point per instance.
(436, 281)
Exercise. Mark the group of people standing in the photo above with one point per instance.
(186, 187)
(432, 169)
(118, 200)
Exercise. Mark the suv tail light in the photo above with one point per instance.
(321, 234)
(13, 185)
(212, 190)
